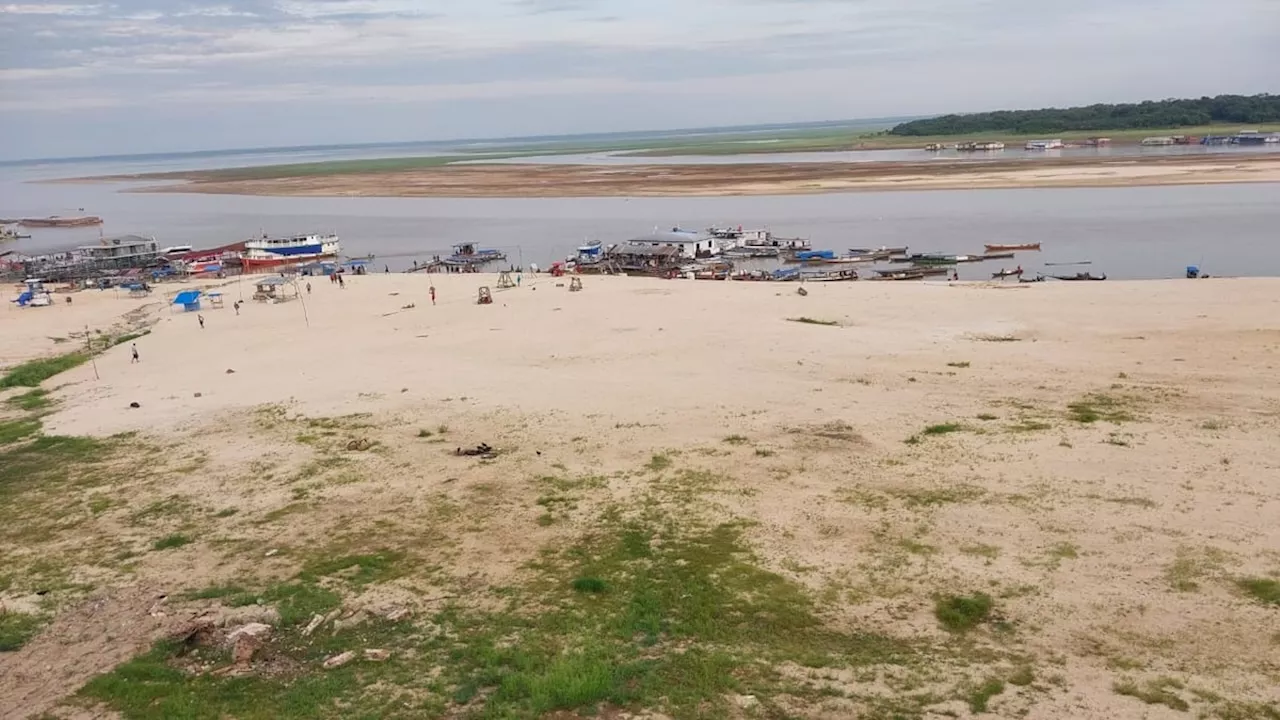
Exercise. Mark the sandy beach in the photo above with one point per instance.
(781, 178)
(1096, 460)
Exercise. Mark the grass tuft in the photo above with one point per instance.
(658, 462)
(169, 542)
(982, 695)
(1097, 406)
(12, 431)
(942, 429)
(961, 364)
(961, 613)
(590, 585)
(737, 440)
(17, 628)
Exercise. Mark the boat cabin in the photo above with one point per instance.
(127, 251)
(646, 259)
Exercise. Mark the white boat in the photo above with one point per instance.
(269, 251)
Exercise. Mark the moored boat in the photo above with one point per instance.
(1011, 247)
(274, 251)
(1079, 276)
(468, 255)
(63, 222)
(1002, 274)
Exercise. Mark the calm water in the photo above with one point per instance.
(1127, 232)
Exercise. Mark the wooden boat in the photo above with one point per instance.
(1036, 279)
(900, 275)
(997, 256)
(1006, 273)
(63, 222)
(1017, 246)
(1080, 276)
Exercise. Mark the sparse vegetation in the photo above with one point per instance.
(12, 431)
(658, 462)
(425, 433)
(987, 417)
(813, 321)
(997, 338)
(961, 364)
(1099, 407)
(982, 694)
(33, 400)
(1159, 691)
(1192, 565)
(961, 613)
(737, 440)
(764, 452)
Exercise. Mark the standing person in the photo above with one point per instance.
(433, 294)
(236, 305)
(308, 287)
(201, 319)
(135, 354)
(519, 279)
(342, 283)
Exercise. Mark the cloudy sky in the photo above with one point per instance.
(83, 77)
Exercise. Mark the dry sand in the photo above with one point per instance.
(1113, 548)
(745, 179)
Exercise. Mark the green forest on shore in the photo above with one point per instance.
(1172, 114)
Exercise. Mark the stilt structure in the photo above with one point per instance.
(505, 281)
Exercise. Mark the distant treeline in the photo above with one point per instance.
(1243, 109)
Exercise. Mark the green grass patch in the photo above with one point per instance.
(11, 431)
(17, 628)
(169, 542)
(34, 372)
(1159, 691)
(1264, 590)
(961, 613)
(813, 321)
(1191, 566)
(30, 401)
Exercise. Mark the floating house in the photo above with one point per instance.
(1054, 144)
(664, 260)
(979, 146)
(126, 251)
(1159, 141)
(690, 243)
(1256, 138)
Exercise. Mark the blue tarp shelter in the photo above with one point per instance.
(189, 300)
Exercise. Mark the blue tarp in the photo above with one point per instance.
(815, 255)
(187, 297)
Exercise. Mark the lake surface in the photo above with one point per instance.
(1144, 232)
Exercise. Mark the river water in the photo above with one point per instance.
(1140, 232)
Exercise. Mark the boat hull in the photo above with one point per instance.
(250, 263)
(1013, 248)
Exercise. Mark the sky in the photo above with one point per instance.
(81, 77)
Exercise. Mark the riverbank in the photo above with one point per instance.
(952, 499)
(718, 180)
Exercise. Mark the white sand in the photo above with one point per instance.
(600, 380)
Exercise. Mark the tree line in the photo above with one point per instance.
(1243, 109)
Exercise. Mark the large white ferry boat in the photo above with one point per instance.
(269, 251)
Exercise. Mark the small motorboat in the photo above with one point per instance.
(1036, 279)
(1017, 272)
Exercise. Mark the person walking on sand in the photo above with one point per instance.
(135, 354)
(236, 305)
(308, 287)
(433, 294)
(201, 319)
(342, 283)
